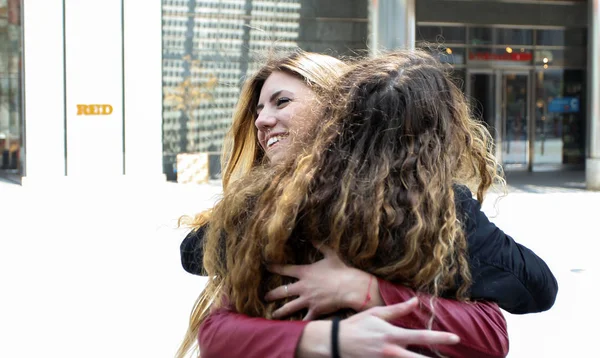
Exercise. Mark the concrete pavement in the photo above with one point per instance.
(93, 270)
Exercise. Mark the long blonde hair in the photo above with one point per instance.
(242, 153)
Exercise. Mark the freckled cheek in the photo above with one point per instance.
(293, 120)
(304, 122)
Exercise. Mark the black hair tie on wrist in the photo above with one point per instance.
(335, 335)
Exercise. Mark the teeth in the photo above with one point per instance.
(274, 140)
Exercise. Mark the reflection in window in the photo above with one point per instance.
(481, 36)
(514, 37)
(441, 34)
(569, 37)
(11, 137)
(208, 48)
(560, 117)
(572, 57)
(450, 55)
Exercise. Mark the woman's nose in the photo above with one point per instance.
(265, 120)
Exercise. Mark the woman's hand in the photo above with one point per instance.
(323, 287)
(368, 334)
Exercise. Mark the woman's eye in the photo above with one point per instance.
(281, 101)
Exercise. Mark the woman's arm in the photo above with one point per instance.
(329, 284)
(502, 270)
(228, 334)
(480, 326)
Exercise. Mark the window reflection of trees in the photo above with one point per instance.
(208, 48)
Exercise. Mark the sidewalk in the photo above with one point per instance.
(95, 272)
(546, 182)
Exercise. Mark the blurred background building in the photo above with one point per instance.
(530, 68)
(210, 46)
(11, 128)
(523, 64)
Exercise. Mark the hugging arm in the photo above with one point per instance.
(502, 270)
(225, 333)
(480, 326)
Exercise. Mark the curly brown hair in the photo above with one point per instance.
(377, 186)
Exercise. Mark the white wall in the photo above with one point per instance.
(44, 88)
(94, 76)
(98, 71)
(143, 87)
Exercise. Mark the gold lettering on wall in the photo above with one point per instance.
(94, 109)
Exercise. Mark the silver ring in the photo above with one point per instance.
(286, 290)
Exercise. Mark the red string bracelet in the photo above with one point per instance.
(368, 298)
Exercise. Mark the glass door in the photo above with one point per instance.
(559, 118)
(514, 141)
(484, 96)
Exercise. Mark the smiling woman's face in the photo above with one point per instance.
(283, 109)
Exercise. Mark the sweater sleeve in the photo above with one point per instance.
(504, 271)
(228, 334)
(480, 325)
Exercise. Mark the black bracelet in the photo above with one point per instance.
(335, 335)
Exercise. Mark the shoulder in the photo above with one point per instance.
(467, 206)
(463, 195)
(192, 252)
(192, 239)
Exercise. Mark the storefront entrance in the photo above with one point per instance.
(526, 82)
(535, 117)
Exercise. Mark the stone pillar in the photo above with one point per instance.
(393, 25)
(93, 99)
(592, 167)
(44, 98)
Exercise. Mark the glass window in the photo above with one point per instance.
(560, 117)
(441, 34)
(572, 57)
(454, 56)
(569, 37)
(481, 36)
(11, 128)
(513, 37)
(483, 99)
(206, 58)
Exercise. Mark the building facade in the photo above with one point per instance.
(11, 129)
(210, 46)
(123, 95)
(529, 68)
